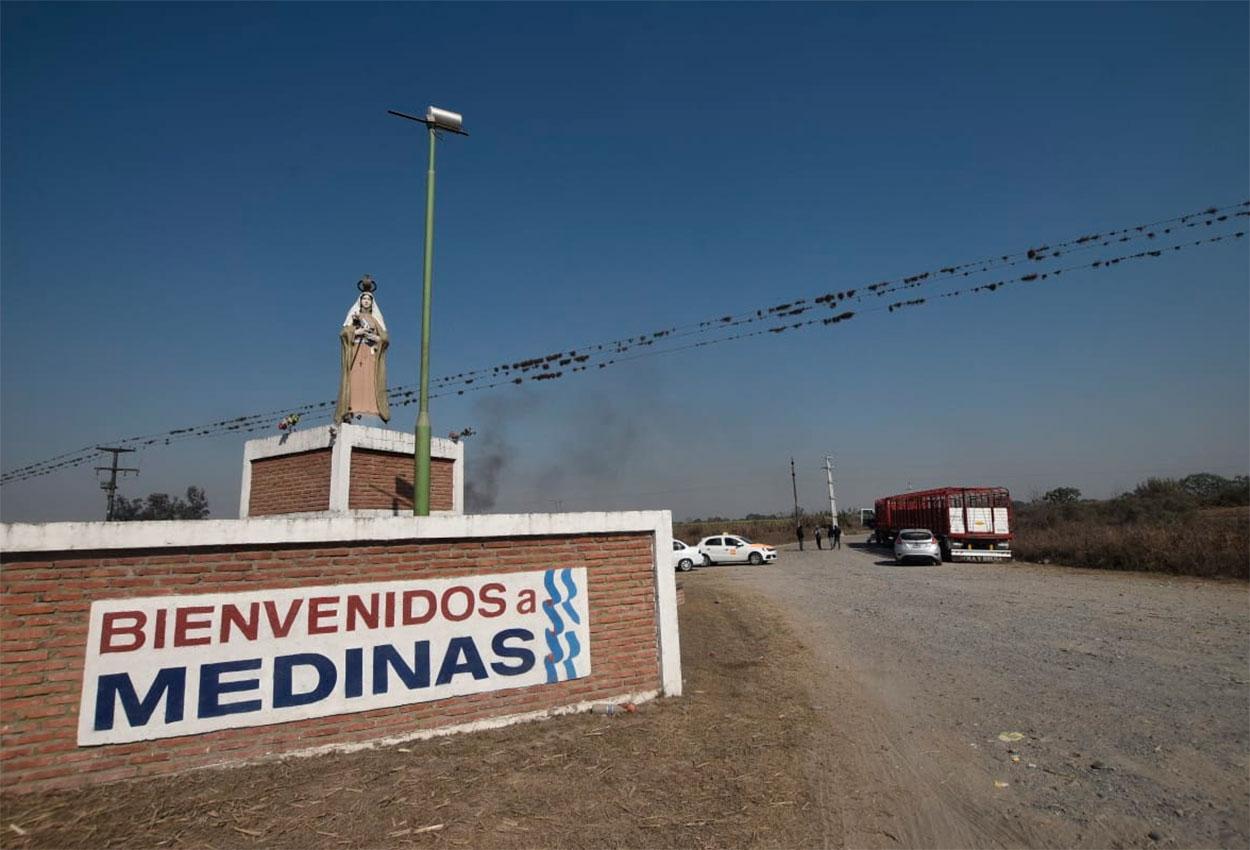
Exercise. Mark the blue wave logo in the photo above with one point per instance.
(563, 646)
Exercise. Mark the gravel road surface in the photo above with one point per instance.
(985, 705)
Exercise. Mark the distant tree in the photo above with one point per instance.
(1238, 492)
(1161, 489)
(1063, 496)
(162, 506)
(1205, 486)
(1153, 499)
(1210, 489)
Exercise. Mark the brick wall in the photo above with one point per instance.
(384, 480)
(45, 598)
(291, 483)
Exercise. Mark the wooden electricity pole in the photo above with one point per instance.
(794, 486)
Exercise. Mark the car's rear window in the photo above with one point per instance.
(715, 541)
(917, 535)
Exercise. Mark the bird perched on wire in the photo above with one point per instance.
(457, 436)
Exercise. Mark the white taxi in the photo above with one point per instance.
(726, 548)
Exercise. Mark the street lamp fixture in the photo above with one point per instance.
(452, 122)
(437, 119)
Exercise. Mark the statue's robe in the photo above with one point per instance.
(362, 374)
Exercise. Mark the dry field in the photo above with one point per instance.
(774, 531)
(1208, 542)
(720, 767)
(1211, 542)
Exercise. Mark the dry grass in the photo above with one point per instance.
(774, 531)
(1155, 532)
(771, 531)
(722, 766)
(1211, 542)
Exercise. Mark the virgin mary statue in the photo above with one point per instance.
(363, 341)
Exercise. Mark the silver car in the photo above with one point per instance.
(916, 543)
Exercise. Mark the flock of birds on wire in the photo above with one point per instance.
(829, 308)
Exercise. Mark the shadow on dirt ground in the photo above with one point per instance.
(723, 766)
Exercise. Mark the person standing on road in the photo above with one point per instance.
(837, 537)
(818, 546)
(798, 532)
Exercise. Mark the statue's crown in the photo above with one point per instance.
(366, 284)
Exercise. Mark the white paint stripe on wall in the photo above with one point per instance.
(82, 536)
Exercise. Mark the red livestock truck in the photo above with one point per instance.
(970, 523)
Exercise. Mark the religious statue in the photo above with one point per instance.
(363, 341)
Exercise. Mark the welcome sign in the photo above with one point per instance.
(158, 667)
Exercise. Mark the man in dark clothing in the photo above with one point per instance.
(837, 537)
(818, 546)
(798, 531)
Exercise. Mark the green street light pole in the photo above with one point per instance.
(421, 473)
(435, 119)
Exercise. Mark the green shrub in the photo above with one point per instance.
(1166, 525)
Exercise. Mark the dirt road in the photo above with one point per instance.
(1129, 693)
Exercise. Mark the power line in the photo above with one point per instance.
(504, 374)
(403, 395)
(248, 425)
(889, 308)
(1087, 241)
(896, 306)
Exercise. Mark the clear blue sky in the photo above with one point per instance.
(190, 192)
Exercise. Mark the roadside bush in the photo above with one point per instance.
(774, 530)
(1062, 496)
(1163, 525)
(1217, 491)
(1211, 542)
(1198, 525)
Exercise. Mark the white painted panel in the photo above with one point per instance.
(957, 520)
(1000, 521)
(158, 667)
(980, 521)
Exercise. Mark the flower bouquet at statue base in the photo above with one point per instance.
(288, 423)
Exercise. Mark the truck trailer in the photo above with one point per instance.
(970, 523)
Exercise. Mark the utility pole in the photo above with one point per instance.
(795, 486)
(111, 485)
(833, 502)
